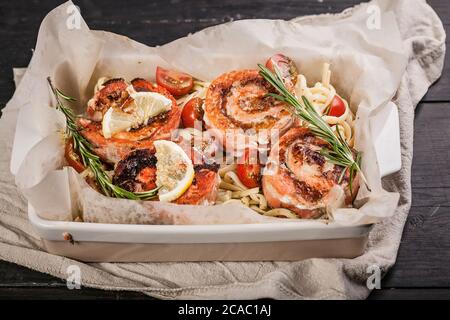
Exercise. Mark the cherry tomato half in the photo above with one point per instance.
(337, 107)
(177, 83)
(249, 171)
(72, 157)
(285, 66)
(192, 111)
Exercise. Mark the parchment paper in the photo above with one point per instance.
(367, 68)
(423, 37)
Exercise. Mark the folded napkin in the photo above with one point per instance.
(424, 41)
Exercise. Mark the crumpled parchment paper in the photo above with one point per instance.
(367, 68)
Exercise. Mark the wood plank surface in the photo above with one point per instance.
(158, 22)
(422, 269)
(411, 294)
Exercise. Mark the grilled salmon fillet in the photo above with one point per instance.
(112, 94)
(113, 149)
(299, 178)
(136, 172)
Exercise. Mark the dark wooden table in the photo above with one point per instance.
(423, 265)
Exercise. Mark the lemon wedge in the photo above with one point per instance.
(115, 120)
(174, 170)
(143, 106)
(149, 104)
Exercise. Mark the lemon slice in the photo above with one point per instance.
(149, 104)
(143, 106)
(115, 120)
(174, 170)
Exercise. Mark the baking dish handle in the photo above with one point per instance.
(385, 129)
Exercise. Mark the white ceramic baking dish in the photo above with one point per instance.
(243, 242)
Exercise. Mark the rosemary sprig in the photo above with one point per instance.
(339, 152)
(90, 160)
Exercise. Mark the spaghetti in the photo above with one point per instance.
(321, 96)
(232, 189)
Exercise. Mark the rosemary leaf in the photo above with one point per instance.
(338, 152)
(90, 160)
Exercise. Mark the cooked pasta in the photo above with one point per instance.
(232, 189)
(321, 95)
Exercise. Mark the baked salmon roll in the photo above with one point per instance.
(299, 178)
(239, 100)
(124, 114)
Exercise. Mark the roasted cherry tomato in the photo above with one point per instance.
(337, 107)
(285, 66)
(72, 157)
(177, 83)
(192, 111)
(249, 170)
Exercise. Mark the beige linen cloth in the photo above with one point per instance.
(424, 40)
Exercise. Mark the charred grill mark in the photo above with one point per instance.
(335, 175)
(113, 93)
(141, 85)
(241, 125)
(129, 168)
(311, 139)
(138, 80)
(159, 119)
(224, 91)
(255, 105)
(207, 166)
(162, 117)
(256, 79)
(305, 152)
(306, 139)
(129, 185)
(111, 81)
(308, 192)
(282, 156)
(283, 144)
(250, 80)
(287, 141)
